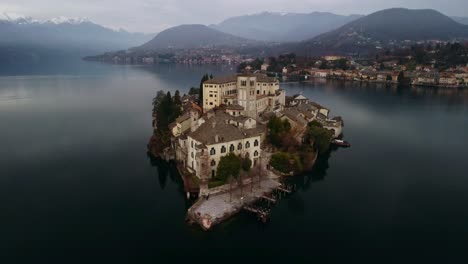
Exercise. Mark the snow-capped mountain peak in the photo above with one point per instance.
(17, 18)
(66, 20)
(21, 19)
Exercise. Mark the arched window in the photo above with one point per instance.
(231, 148)
(213, 163)
(256, 154)
(247, 155)
(239, 147)
(212, 151)
(223, 149)
(256, 143)
(192, 144)
(247, 145)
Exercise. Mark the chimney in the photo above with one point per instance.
(216, 138)
(213, 125)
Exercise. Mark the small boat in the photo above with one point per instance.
(341, 143)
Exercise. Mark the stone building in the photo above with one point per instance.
(219, 135)
(254, 92)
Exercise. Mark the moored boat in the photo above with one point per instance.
(341, 143)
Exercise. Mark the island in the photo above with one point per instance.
(233, 140)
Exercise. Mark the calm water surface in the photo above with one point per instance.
(76, 184)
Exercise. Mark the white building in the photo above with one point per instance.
(219, 135)
(254, 92)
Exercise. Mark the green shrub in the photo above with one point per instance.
(281, 162)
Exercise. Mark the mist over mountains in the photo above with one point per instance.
(27, 39)
(383, 28)
(23, 39)
(193, 37)
(276, 27)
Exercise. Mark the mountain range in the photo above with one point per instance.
(381, 29)
(192, 37)
(276, 27)
(24, 38)
(461, 20)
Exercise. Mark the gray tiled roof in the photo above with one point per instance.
(233, 78)
(222, 80)
(226, 132)
(294, 115)
(183, 117)
(232, 107)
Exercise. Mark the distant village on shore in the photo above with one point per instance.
(425, 63)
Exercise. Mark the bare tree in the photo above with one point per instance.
(205, 164)
(241, 184)
(251, 175)
(231, 181)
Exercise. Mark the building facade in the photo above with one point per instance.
(219, 135)
(254, 92)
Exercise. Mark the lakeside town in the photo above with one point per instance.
(235, 138)
(426, 63)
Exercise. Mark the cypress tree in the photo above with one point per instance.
(200, 93)
(177, 100)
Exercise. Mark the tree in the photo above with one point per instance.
(158, 99)
(342, 64)
(246, 164)
(323, 65)
(166, 111)
(401, 77)
(200, 92)
(230, 180)
(277, 128)
(177, 99)
(194, 91)
(229, 166)
(322, 137)
(281, 162)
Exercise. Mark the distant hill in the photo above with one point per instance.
(380, 28)
(192, 37)
(461, 20)
(24, 39)
(278, 27)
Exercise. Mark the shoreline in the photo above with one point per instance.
(313, 79)
(216, 205)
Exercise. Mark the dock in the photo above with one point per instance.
(262, 214)
(288, 191)
(220, 207)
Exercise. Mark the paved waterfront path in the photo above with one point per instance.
(222, 206)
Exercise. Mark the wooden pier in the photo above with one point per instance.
(284, 190)
(262, 214)
(269, 199)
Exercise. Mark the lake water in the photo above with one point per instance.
(76, 184)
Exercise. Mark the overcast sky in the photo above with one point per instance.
(156, 15)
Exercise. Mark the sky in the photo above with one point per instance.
(152, 16)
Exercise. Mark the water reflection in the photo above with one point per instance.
(75, 177)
